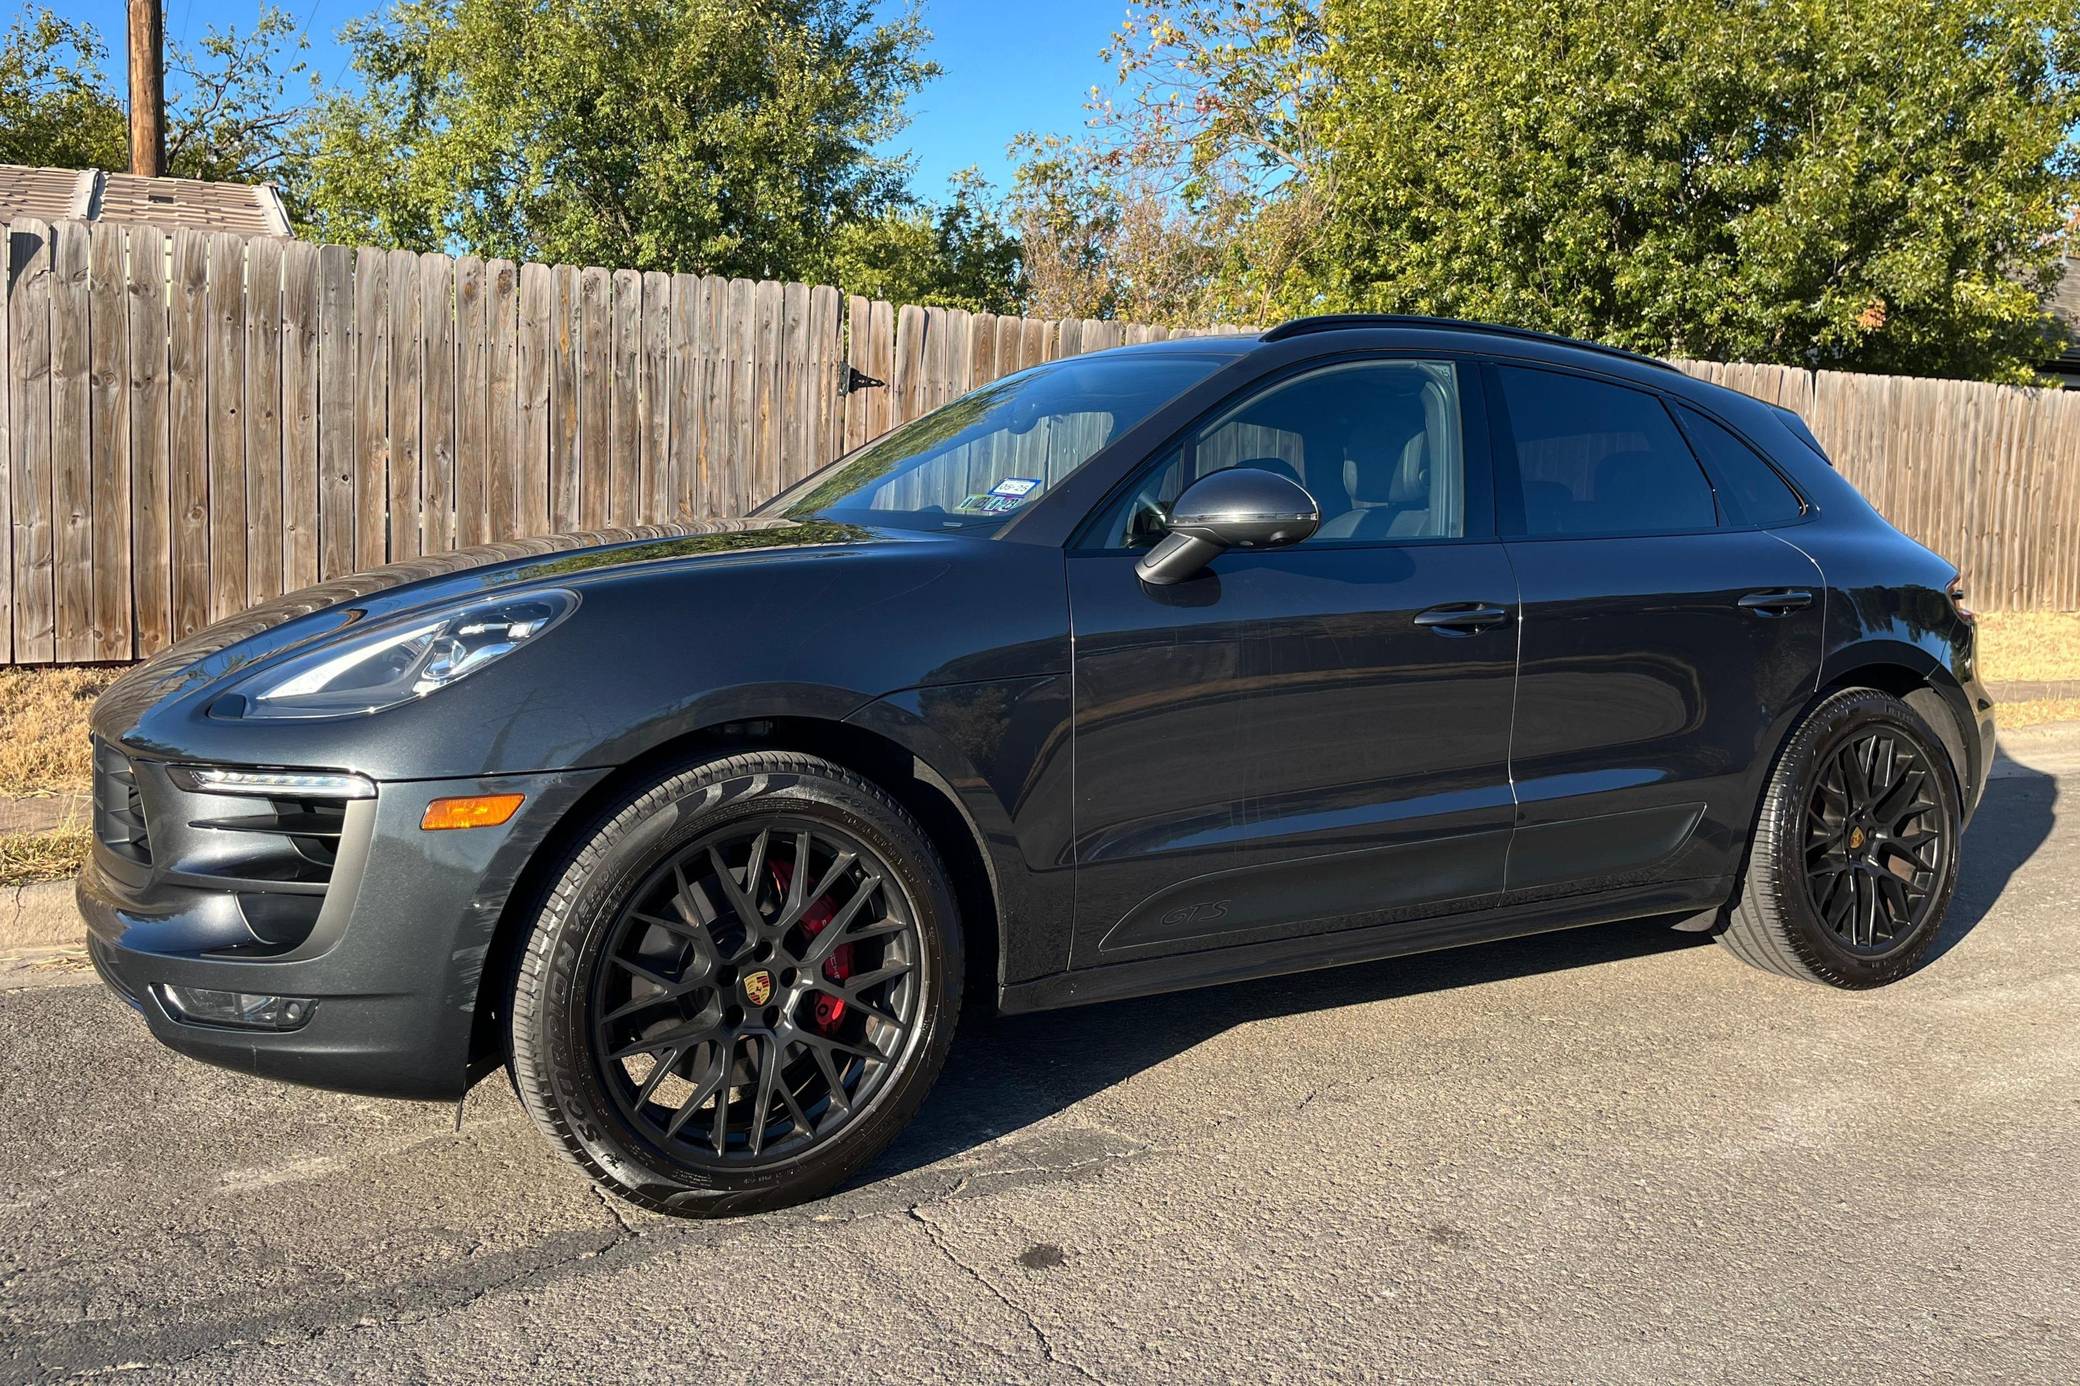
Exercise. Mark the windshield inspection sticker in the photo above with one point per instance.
(1002, 498)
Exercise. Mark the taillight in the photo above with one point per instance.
(1957, 598)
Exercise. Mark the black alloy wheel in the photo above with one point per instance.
(756, 991)
(1876, 842)
(740, 986)
(1854, 855)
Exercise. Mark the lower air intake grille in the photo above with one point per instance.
(119, 820)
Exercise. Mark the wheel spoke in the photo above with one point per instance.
(831, 1077)
(740, 904)
(840, 929)
(657, 1075)
(850, 995)
(1897, 905)
(762, 1101)
(711, 1086)
(1855, 787)
(678, 1035)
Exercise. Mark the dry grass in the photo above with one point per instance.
(2029, 646)
(2035, 712)
(43, 727)
(53, 856)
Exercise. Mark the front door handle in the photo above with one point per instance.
(1778, 601)
(1461, 618)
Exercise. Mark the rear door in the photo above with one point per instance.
(1668, 636)
(1278, 746)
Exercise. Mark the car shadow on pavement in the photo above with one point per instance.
(1008, 1073)
(2013, 821)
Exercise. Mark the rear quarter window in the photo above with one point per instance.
(1748, 485)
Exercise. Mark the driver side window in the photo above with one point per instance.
(1378, 444)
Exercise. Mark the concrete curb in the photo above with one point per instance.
(40, 916)
(2022, 692)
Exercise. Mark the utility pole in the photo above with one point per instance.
(147, 88)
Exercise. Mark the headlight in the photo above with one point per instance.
(393, 664)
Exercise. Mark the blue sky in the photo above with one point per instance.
(1009, 67)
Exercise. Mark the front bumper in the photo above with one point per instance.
(389, 940)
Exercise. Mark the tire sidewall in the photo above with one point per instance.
(1831, 724)
(579, 920)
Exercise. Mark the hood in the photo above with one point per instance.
(274, 626)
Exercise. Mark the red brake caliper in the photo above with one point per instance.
(825, 1011)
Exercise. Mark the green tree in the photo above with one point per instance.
(228, 114)
(958, 254)
(1873, 186)
(56, 110)
(726, 136)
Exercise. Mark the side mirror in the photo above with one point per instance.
(1239, 508)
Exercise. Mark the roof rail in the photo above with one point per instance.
(1333, 322)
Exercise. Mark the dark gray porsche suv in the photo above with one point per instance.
(1159, 667)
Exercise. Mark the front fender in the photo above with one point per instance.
(1001, 749)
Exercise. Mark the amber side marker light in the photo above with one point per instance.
(472, 811)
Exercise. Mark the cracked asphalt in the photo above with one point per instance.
(1615, 1154)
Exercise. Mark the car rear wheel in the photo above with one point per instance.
(1854, 855)
(741, 987)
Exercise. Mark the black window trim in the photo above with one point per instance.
(1476, 414)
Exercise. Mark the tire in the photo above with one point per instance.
(1813, 901)
(690, 1044)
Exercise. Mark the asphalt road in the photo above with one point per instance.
(1614, 1155)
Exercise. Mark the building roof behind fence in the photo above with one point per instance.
(53, 194)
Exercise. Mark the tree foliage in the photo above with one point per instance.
(957, 254)
(229, 113)
(1872, 186)
(714, 135)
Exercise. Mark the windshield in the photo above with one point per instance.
(974, 463)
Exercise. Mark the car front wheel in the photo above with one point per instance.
(1854, 855)
(740, 988)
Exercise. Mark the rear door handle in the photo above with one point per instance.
(1461, 618)
(1778, 601)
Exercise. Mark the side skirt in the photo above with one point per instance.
(1215, 967)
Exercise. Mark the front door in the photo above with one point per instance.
(1279, 746)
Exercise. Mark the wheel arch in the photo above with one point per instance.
(1921, 681)
(923, 790)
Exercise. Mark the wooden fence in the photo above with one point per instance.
(194, 422)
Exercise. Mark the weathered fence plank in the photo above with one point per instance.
(536, 332)
(472, 364)
(301, 328)
(401, 271)
(501, 406)
(226, 444)
(624, 405)
(335, 412)
(437, 403)
(595, 394)
(187, 367)
(567, 331)
(654, 401)
(192, 424)
(72, 486)
(263, 415)
(109, 445)
(150, 529)
(29, 422)
(371, 407)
